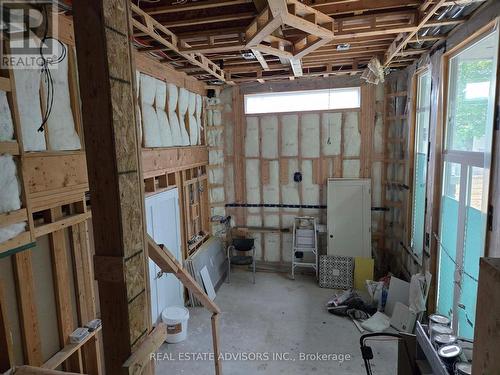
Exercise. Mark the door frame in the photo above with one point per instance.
(456, 156)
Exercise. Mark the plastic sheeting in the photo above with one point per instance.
(182, 108)
(6, 125)
(61, 124)
(28, 93)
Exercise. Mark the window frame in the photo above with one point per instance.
(291, 92)
(418, 257)
(466, 160)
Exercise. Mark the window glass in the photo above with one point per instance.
(295, 101)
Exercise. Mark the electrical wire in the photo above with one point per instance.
(45, 69)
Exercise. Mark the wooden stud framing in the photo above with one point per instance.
(107, 77)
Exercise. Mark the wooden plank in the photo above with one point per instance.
(6, 345)
(135, 364)
(9, 147)
(167, 263)
(67, 351)
(13, 217)
(29, 370)
(59, 260)
(215, 339)
(28, 317)
(167, 160)
(61, 223)
(107, 88)
(5, 84)
(486, 333)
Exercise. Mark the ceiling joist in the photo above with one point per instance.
(164, 36)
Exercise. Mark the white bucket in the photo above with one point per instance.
(176, 318)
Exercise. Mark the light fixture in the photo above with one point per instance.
(343, 47)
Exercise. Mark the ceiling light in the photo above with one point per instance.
(248, 56)
(343, 46)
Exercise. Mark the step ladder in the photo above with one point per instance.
(305, 240)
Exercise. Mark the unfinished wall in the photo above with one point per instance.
(274, 147)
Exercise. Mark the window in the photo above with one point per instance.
(422, 120)
(295, 101)
(472, 77)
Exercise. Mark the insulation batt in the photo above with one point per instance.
(61, 124)
(172, 96)
(28, 93)
(11, 231)
(182, 109)
(199, 108)
(192, 122)
(6, 125)
(137, 106)
(151, 130)
(163, 124)
(9, 185)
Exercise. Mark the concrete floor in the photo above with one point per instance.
(276, 316)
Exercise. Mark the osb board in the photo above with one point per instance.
(165, 72)
(161, 160)
(55, 172)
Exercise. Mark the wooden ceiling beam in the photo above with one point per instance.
(212, 19)
(165, 9)
(159, 33)
(397, 46)
(262, 61)
(360, 6)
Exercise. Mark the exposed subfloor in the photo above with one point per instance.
(276, 315)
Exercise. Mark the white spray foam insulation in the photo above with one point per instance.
(289, 135)
(172, 98)
(310, 191)
(210, 117)
(309, 132)
(252, 137)
(271, 192)
(256, 222)
(229, 178)
(272, 246)
(377, 183)
(6, 124)
(217, 117)
(271, 220)
(332, 133)
(214, 137)
(61, 124)
(352, 136)
(163, 123)
(151, 129)
(216, 157)
(30, 114)
(216, 176)
(253, 183)
(287, 247)
(217, 195)
(378, 134)
(269, 136)
(290, 191)
(9, 185)
(182, 108)
(193, 124)
(198, 110)
(350, 168)
(229, 141)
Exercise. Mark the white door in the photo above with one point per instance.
(163, 225)
(349, 221)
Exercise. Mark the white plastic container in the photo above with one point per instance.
(176, 318)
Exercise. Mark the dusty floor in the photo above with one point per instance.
(275, 317)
